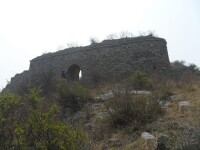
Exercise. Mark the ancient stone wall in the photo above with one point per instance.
(109, 59)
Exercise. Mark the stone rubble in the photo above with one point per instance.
(109, 94)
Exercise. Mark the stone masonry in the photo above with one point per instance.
(109, 59)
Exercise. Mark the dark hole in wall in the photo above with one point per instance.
(74, 73)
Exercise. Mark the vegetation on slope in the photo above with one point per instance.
(30, 121)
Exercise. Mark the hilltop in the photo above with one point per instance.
(134, 98)
(136, 112)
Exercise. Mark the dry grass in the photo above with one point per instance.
(170, 124)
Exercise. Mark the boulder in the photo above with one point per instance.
(190, 134)
(162, 141)
(114, 141)
(175, 98)
(107, 96)
(102, 115)
(79, 115)
(90, 127)
(98, 98)
(96, 106)
(184, 105)
(165, 105)
(68, 112)
(150, 142)
(144, 92)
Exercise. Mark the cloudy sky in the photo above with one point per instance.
(29, 28)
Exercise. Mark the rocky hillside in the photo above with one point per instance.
(141, 112)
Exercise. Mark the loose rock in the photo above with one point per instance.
(165, 105)
(107, 96)
(175, 98)
(68, 112)
(184, 105)
(150, 142)
(162, 141)
(89, 127)
(140, 92)
(97, 106)
(79, 115)
(102, 115)
(114, 141)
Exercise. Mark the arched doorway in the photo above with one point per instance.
(74, 72)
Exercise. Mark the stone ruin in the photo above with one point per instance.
(108, 60)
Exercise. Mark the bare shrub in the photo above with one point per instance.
(151, 33)
(45, 81)
(94, 40)
(112, 36)
(142, 33)
(138, 110)
(60, 47)
(97, 78)
(72, 44)
(126, 34)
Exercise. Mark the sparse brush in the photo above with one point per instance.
(25, 125)
(73, 96)
(138, 81)
(138, 110)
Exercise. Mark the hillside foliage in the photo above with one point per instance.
(26, 123)
(33, 121)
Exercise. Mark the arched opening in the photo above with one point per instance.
(74, 72)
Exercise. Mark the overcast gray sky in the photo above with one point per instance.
(29, 28)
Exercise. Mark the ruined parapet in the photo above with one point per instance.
(108, 60)
(19, 83)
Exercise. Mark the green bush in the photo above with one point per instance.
(139, 81)
(138, 110)
(163, 94)
(72, 95)
(45, 81)
(26, 124)
(191, 147)
(9, 120)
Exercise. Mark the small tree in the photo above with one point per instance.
(127, 109)
(94, 40)
(72, 95)
(112, 36)
(9, 120)
(126, 34)
(139, 81)
(151, 33)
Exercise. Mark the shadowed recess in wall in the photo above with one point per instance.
(74, 72)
